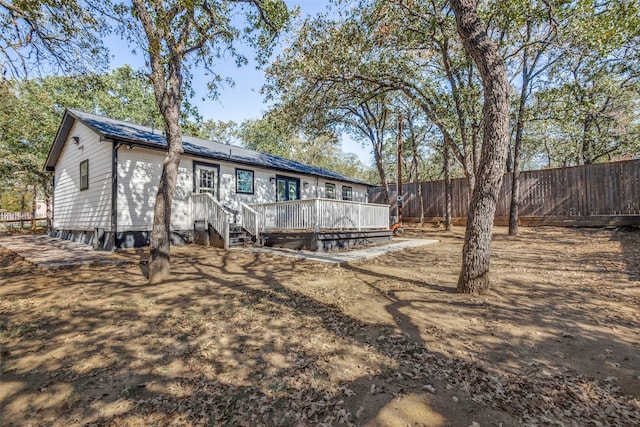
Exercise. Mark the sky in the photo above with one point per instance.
(243, 100)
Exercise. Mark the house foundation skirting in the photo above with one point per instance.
(324, 240)
(104, 240)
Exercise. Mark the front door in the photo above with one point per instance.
(287, 188)
(207, 180)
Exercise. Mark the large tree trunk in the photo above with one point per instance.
(167, 82)
(160, 242)
(474, 274)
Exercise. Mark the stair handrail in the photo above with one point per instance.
(214, 212)
(251, 220)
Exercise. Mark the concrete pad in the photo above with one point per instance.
(45, 251)
(342, 257)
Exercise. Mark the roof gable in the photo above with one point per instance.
(137, 135)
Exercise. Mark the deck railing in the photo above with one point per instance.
(205, 207)
(21, 216)
(322, 214)
(250, 220)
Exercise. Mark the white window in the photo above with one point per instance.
(84, 175)
(330, 191)
(206, 179)
(347, 193)
(244, 181)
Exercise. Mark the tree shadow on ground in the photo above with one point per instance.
(238, 338)
(628, 237)
(103, 377)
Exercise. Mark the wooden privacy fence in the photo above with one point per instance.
(600, 194)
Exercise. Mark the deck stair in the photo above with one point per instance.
(238, 236)
(301, 223)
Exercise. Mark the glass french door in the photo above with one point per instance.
(287, 188)
(207, 180)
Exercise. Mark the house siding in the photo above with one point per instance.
(83, 210)
(265, 190)
(359, 193)
(139, 173)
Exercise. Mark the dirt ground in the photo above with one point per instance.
(239, 338)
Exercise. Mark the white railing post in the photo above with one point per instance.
(251, 220)
(317, 215)
(359, 216)
(226, 232)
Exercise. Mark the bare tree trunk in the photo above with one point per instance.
(47, 189)
(399, 180)
(34, 207)
(383, 178)
(509, 166)
(517, 143)
(421, 199)
(167, 87)
(175, 31)
(515, 194)
(49, 214)
(23, 207)
(160, 242)
(474, 274)
(377, 142)
(447, 188)
(416, 180)
(471, 184)
(515, 183)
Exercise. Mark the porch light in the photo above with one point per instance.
(305, 184)
(76, 139)
(272, 179)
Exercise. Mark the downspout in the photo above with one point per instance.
(114, 194)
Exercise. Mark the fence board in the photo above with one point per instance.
(580, 192)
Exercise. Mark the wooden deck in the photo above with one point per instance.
(324, 240)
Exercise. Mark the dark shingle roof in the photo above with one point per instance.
(145, 136)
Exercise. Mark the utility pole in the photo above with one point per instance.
(399, 186)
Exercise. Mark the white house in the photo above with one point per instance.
(106, 174)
